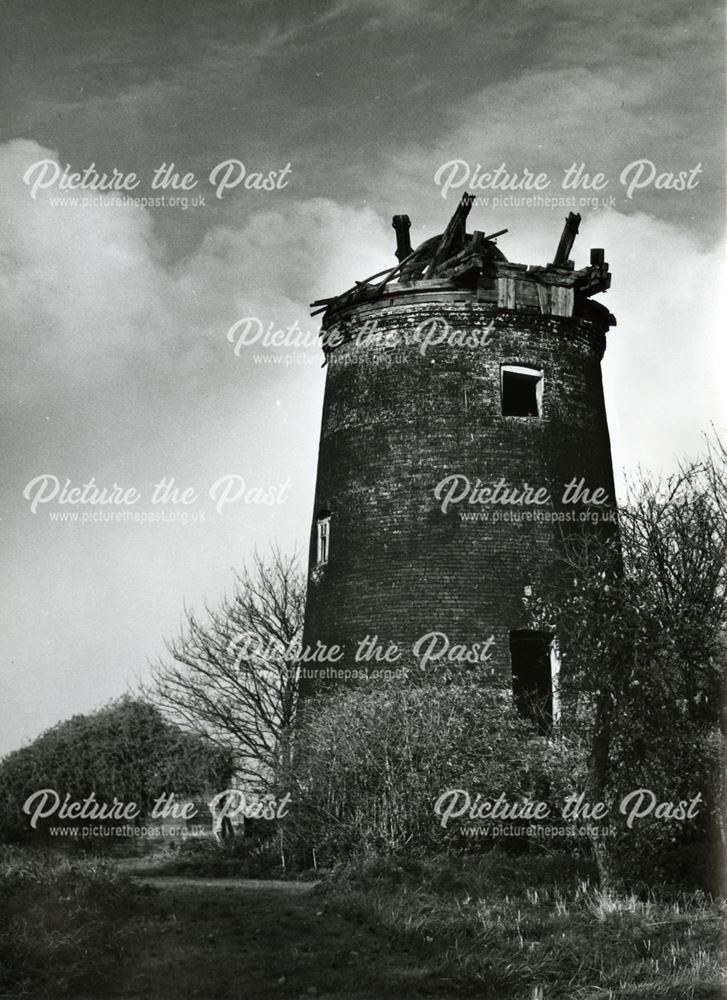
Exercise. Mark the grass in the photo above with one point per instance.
(272, 943)
(493, 925)
(63, 923)
(522, 927)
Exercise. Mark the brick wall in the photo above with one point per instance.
(397, 420)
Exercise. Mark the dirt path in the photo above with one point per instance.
(193, 882)
(238, 939)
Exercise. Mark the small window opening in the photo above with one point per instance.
(534, 669)
(522, 391)
(323, 538)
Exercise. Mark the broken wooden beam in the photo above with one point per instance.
(453, 237)
(402, 225)
(567, 239)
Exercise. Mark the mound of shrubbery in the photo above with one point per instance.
(125, 751)
(371, 762)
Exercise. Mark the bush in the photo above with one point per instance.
(372, 762)
(125, 751)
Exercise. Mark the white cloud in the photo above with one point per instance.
(89, 293)
(117, 366)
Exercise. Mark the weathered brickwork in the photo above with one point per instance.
(398, 419)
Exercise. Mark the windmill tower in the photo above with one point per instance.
(464, 430)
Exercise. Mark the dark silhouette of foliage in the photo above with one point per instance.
(126, 750)
(642, 629)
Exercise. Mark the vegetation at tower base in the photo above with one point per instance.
(643, 679)
(232, 676)
(125, 751)
(371, 760)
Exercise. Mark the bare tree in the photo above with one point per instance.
(233, 675)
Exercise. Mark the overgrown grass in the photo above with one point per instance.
(523, 927)
(62, 922)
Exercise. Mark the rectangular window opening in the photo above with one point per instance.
(534, 660)
(323, 537)
(522, 391)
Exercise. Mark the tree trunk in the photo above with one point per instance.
(598, 784)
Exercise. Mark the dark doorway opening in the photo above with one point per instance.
(532, 682)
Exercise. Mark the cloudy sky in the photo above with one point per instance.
(117, 363)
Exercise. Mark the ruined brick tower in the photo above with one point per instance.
(463, 397)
